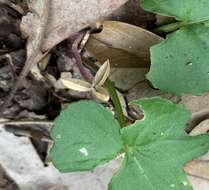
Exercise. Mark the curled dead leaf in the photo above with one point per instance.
(102, 74)
(78, 85)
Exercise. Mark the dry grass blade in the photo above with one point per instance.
(101, 94)
(78, 85)
(102, 74)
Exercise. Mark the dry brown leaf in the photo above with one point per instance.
(123, 44)
(126, 78)
(24, 166)
(127, 48)
(196, 104)
(66, 17)
(198, 170)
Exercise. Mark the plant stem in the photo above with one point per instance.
(171, 27)
(115, 99)
(74, 50)
(113, 94)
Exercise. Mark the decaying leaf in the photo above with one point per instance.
(67, 17)
(198, 170)
(127, 48)
(126, 45)
(34, 175)
(96, 88)
(127, 78)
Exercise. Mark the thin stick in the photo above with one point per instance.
(28, 122)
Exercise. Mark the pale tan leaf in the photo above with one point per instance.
(69, 16)
(102, 74)
(198, 170)
(196, 104)
(123, 44)
(78, 85)
(42, 177)
(101, 94)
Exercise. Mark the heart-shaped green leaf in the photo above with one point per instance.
(157, 148)
(184, 10)
(181, 63)
(85, 135)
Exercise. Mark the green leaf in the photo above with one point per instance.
(85, 134)
(183, 10)
(157, 148)
(180, 64)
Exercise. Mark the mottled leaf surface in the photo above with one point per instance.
(66, 17)
(85, 135)
(157, 148)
